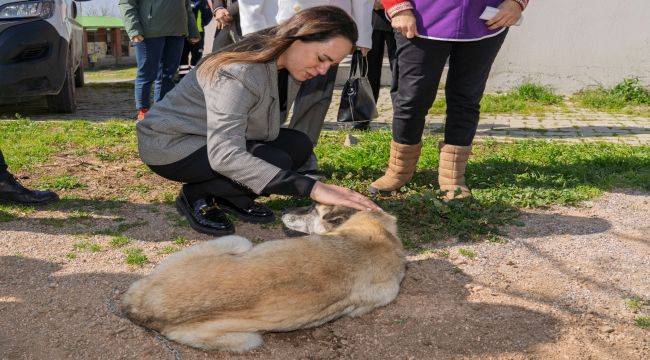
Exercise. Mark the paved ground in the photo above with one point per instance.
(99, 102)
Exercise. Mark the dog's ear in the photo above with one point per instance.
(337, 215)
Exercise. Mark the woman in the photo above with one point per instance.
(218, 131)
(157, 29)
(427, 34)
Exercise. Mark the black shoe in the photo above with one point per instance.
(252, 212)
(11, 191)
(203, 217)
(362, 125)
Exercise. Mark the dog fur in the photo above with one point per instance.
(222, 294)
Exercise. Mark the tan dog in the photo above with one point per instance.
(223, 293)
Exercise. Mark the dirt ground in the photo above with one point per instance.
(555, 289)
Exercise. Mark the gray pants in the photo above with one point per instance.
(311, 104)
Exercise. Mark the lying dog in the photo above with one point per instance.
(223, 293)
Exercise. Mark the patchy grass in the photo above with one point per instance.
(642, 321)
(135, 256)
(635, 303)
(504, 177)
(629, 96)
(470, 254)
(86, 245)
(180, 240)
(71, 255)
(63, 182)
(119, 241)
(526, 98)
(169, 249)
(111, 73)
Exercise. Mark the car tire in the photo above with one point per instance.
(79, 79)
(64, 101)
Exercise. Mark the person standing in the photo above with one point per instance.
(226, 15)
(382, 39)
(203, 15)
(315, 95)
(157, 29)
(427, 34)
(12, 191)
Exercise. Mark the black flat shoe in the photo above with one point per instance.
(253, 212)
(204, 218)
(12, 192)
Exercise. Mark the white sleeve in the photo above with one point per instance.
(362, 15)
(252, 16)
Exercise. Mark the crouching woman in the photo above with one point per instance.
(219, 130)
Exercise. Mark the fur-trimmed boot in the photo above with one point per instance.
(401, 166)
(451, 170)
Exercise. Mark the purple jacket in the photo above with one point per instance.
(453, 19)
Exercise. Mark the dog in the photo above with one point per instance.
(223, 294)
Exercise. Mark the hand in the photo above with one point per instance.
(377, 5)
(222, 17)
(195, 39)
(335, 195)
(136, 39)
(508, 15)
(364, 50)
(404, 22)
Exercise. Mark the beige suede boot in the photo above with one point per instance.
(451, 171)
(401, 166)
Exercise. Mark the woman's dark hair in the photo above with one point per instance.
(319, 23)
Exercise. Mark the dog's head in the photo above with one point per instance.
(321, 219)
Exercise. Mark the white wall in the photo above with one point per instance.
(574, 44)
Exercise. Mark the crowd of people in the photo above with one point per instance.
(224, 130)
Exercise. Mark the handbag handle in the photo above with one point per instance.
(358, 61)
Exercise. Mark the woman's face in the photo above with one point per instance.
(304, 60)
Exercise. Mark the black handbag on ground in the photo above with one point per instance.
(358, 106)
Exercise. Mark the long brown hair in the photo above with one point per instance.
(319, 23)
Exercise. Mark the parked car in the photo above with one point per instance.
(41, 52)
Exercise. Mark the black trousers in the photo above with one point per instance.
(195, 49)
(3, 164)
(290, 150)
(416, 75)
(381, 40)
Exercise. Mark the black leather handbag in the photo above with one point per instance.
(357, 102)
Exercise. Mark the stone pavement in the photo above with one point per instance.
(572, 125)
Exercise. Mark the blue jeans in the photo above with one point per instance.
(158, 59)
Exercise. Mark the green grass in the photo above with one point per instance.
(642, 321)
(110, 73)
(629, 96)
(71, 255)
(635, 303)
(504, 177)
(119, 241)
(135, 256)
(86, 245)
(180, 240)
(470, 254)
(63, 182)
(169, 249)
(526, 98)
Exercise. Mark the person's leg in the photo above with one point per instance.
(147, 54)
(469, 68)
(197, 50)
(12, 191)
(375, 61)
(171, 56)
(416, 75)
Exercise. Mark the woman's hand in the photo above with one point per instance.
(336, 195)
(404, 22)
(508, 15)
(136, 39)
(222, 17)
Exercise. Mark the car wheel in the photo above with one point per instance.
(79, 79)
(64, 101)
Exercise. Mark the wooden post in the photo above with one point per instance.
(85, 47)
(117, 44)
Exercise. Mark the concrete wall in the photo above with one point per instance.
(571, 45)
